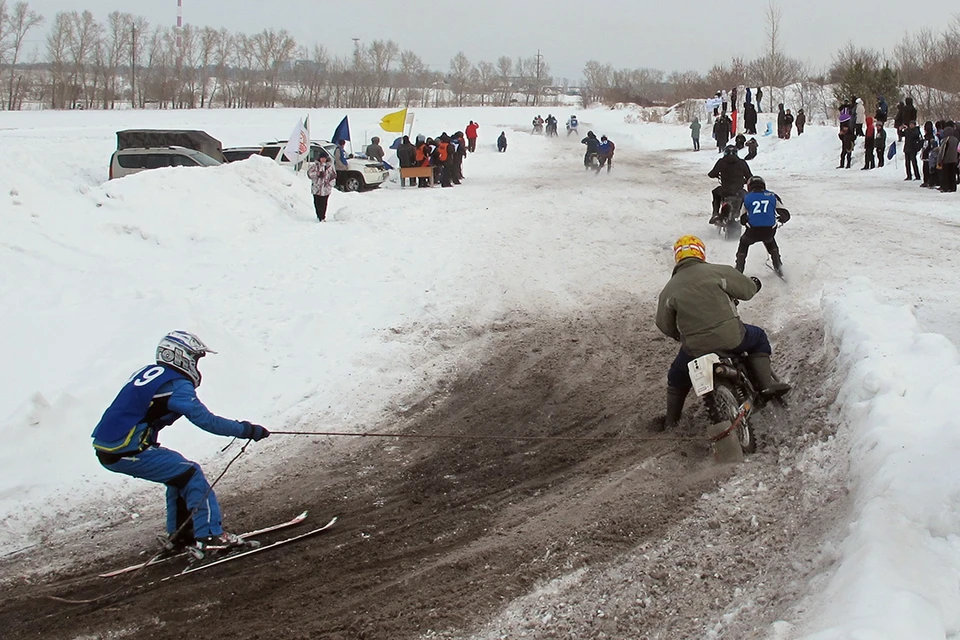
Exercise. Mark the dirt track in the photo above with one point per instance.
(445, 537)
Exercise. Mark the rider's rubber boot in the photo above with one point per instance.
(777, 263)
(675, 399)
(716, 212)
(727, 449)
(762, 371)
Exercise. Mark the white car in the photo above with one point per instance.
(360, 173)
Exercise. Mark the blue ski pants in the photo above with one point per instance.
(185, 481)
(754, 341)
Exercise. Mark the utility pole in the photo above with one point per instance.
(133, 65)
(536, 97)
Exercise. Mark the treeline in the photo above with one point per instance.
(125, 61)
(925, 65)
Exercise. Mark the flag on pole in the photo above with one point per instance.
(342, 132)
(298, 147)
(892, 151)
(394, 121)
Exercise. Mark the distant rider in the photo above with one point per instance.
(697, 308)
(760, 217)
(155, 397)
(593, 148)
(572, 125)
(733, 172)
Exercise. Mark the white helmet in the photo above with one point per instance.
(181, 350)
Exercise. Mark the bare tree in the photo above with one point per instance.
(460, 71)
(505, 80)
(486, 80)
(19, 22)
(597, 79)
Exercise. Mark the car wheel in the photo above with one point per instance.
(352, 182)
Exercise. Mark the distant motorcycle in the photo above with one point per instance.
(728, 220)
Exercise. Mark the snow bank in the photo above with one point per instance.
(898, 567)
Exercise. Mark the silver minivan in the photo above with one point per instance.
(125, 162)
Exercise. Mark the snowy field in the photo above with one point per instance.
(326, 326)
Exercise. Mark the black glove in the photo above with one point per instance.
(755, 279)
(254, 431)
(744, 219)
(783, 216)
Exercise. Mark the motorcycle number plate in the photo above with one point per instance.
(701, 373)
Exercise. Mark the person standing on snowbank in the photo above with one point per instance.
(125, 439)
(502, 142)
(695, 133)
(323, 177)
(472, 136)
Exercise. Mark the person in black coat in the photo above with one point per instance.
(721, 131)
(909, 111)
(733, 172)
(911, 147)
(502, 142)
(880, 143)
(750, 118)
(407, 156)
(898, 122)
(781, 122)
(593, 148)
(787, 124)
(801, 121)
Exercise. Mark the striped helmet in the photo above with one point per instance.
(689, 247)
(182, 350)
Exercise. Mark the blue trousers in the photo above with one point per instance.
(185, 481)
(754, 341)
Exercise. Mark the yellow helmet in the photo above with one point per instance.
(689, 247)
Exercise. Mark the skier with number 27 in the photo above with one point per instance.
(125, 441)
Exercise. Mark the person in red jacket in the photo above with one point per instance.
(472, 136)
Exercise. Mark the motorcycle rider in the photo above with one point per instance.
(572, 125)
(538, 124)
(697, 307)
(760, 217)
(593, 148)
(733, 172)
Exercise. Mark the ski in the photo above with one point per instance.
(249, 534)
(779, 273)
(249, 552)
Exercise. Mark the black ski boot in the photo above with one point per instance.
(762, 371)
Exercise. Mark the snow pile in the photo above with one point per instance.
(897, 576)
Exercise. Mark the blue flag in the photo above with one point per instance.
(396, 143)
(342, 132)
(892, 151)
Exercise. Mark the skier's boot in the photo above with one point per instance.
(777, 263)
(223, 544)
(741, 261)
(762, 371)
(675, 399)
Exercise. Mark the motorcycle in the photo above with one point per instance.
(537, 128)
(729, 393)
(728, 220)
(592, 162)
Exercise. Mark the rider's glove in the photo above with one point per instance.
(783, 216)
(757, 282)
(254, 431)
(744, 219)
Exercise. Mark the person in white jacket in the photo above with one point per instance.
(860, 116)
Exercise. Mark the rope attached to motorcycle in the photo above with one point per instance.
(187, 521)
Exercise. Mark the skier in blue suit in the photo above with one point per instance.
(125, 440)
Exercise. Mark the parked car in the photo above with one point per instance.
(360, 174)
(125, 162)
(233, 154)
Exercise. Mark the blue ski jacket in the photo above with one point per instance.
(155, 397)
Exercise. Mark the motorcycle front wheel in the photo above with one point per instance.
(723, 405)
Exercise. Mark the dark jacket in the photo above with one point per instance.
(732, 171)
(880, 141)
(801, 119)
(948, 148)
(911, 141)
(407, 154)
(721, 128)
(909, 112)
(593, 144)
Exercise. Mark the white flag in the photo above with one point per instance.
(298, 147)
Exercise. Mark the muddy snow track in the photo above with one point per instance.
(445, 537)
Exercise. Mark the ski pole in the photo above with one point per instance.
(365, 434)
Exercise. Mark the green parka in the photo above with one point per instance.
(696, 306)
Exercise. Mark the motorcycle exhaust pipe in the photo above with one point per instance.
(726, 371)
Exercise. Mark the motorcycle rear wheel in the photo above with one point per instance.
(723, 405)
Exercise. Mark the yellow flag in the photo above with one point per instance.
(394, 121)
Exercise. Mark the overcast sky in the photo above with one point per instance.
(669, 35)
